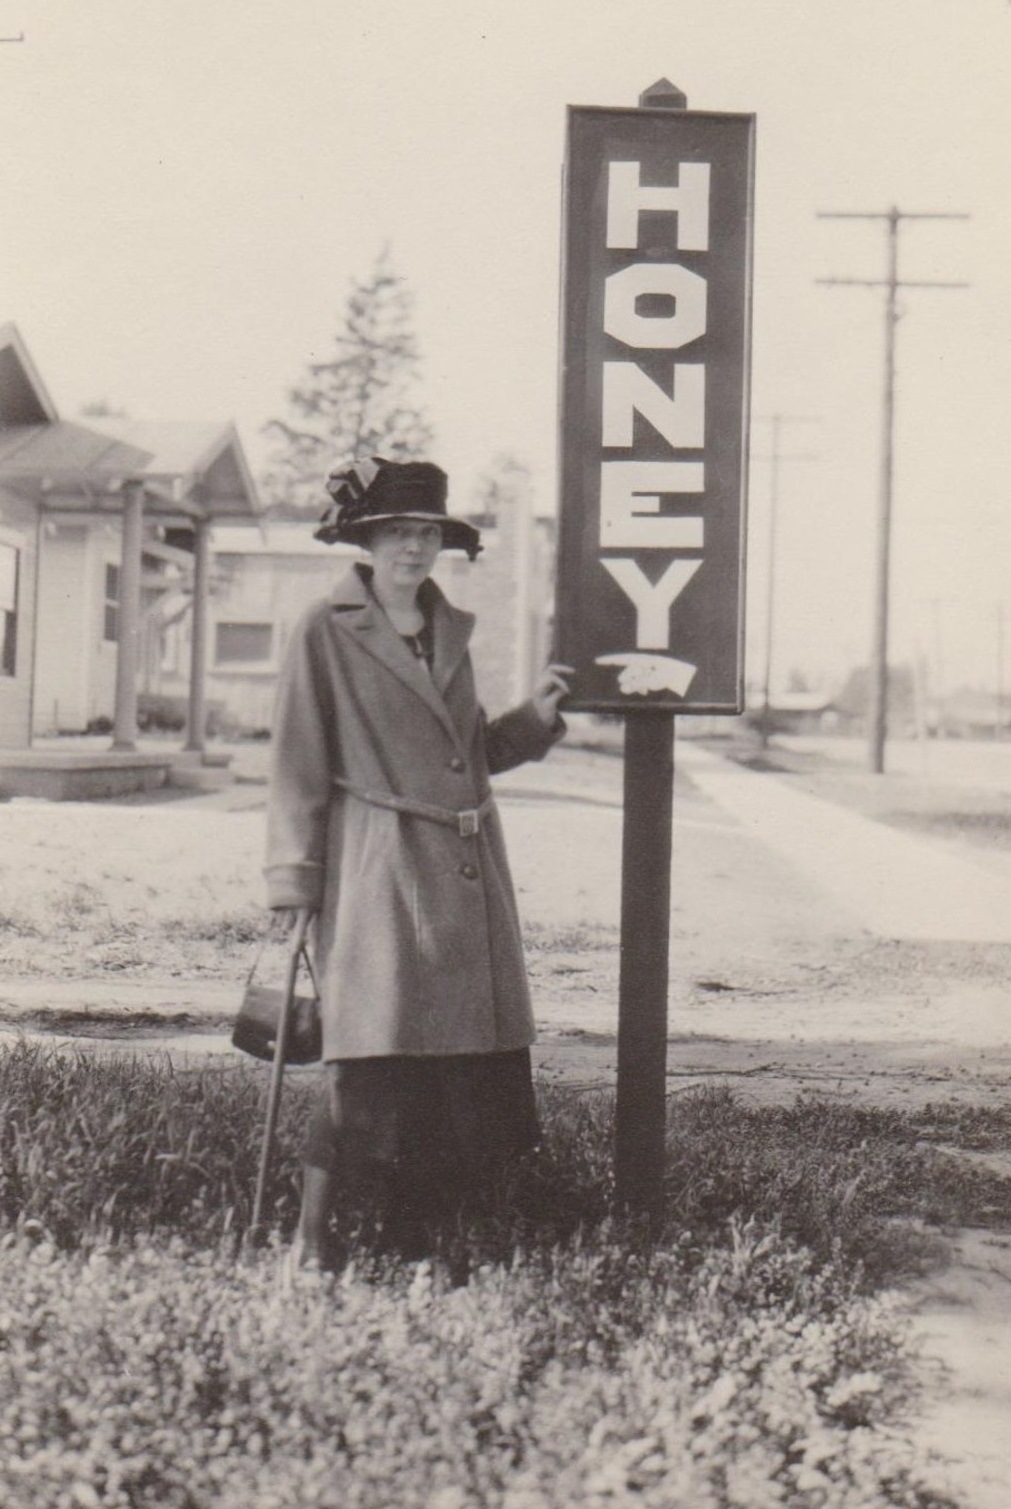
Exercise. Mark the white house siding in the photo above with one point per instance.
(251, 589)
(76, 666)
(509, 589)
(18, 529)
(248, 701)
(61, 667)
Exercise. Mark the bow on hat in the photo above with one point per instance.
(374, 489)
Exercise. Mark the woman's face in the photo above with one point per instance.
(403, 551)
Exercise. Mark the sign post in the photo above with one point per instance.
(656, 331)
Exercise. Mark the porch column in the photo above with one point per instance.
(124, 733)
(196, 723)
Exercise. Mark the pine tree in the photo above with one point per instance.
(357, 403)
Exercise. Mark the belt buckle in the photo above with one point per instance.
(469, 822)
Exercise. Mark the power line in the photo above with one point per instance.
(775, 458)
(892, 283)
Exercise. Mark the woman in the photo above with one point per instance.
(381, 824)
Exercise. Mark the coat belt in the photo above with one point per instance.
(467, 822)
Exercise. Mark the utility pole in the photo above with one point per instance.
(775, 459)
(892, 283)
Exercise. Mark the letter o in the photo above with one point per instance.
(655, 332)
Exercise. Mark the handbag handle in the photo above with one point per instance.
(302, 953)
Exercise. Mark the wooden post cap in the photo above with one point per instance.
(663, 95)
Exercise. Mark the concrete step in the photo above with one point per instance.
(189, 777)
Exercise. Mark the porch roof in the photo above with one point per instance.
(188, 470)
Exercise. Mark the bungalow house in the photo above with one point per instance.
(791, 712)
(98, 525)
(970, 713)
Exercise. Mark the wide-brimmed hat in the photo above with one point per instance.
(369, 491)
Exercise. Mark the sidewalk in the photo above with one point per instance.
(897, 885)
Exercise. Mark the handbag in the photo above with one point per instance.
(258, 1019)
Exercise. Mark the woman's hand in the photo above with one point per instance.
(285, 918)
(550, 688)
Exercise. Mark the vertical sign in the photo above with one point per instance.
(656, 328)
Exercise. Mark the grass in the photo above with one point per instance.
(568, 939)
(738, 1356)
(196, 939)
(131, 1145)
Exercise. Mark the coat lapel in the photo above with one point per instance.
(360, 614)
(453, 629)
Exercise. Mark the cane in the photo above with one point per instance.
(277, 1071)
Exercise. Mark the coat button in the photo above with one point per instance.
(457, 764)
(469, 871)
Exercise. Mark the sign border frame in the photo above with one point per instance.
(670, 704)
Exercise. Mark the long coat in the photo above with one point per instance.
(418, 942)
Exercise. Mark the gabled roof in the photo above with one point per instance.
(62, 452)
(23, 395)
(202, 459)
(188, 469)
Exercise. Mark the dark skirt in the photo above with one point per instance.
(438, 1119)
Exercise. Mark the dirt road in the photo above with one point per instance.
(805, 948)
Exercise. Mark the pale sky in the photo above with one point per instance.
(188, 187)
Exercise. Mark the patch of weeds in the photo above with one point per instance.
(227, 930)
(20, 925)
(127, 1144)
(992, 828)
(977, 1128)
(76, 905)
(570, 939)
(842, 1180)
(135, 1144)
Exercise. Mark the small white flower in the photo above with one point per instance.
(419, 1295)
(852, 1388)
(450, 1497)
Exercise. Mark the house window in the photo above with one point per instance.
(243, 644)
(8, 610)
(110, 629)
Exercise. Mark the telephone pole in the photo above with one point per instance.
(893, 219)
(775, 459)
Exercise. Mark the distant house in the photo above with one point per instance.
(100, 525)
(796, 712)
(262, 579)
(969, 713)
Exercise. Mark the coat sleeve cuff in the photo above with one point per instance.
(294, 886)
(521, 735)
